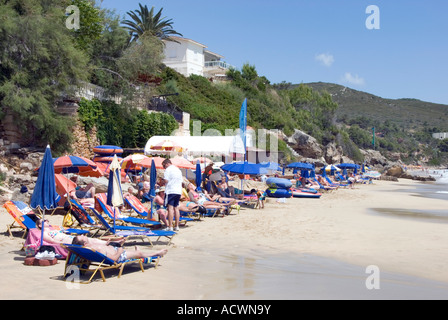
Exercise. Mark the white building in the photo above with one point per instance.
(440, 135)
(189, 57)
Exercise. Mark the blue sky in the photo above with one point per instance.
(323, 40)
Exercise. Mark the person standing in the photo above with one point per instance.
(173, 191)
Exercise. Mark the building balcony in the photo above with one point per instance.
(217, 65)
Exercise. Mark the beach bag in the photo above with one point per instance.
(68, 220)
(201, 210)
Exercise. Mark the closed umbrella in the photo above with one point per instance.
(152, 183)
(114, 192)
(44, 195)
(198, 176)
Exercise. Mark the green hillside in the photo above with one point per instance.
(353, 103)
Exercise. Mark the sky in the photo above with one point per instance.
(390, 48)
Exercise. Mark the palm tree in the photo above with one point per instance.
(144, 20)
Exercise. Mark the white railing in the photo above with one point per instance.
(218, 64)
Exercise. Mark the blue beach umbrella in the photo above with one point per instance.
(300, 165)
(245, 167)
(198, 176)
(114, 192)
(152, 183)
(44, 195)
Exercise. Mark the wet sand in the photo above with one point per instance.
(301, 249)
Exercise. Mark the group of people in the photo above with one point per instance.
(173, 195)
(328, 182)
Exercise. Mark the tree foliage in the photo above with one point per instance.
(145, 21)
(38, 61)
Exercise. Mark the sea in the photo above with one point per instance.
(437, 189)
(309, 277)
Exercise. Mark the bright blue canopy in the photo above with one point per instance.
(271, 166)
(244, 168)
(348, 166)
(301, 165)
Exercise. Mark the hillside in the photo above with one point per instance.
(353, 103)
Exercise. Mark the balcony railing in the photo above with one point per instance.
(218, 64)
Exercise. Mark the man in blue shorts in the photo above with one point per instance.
(173, 191)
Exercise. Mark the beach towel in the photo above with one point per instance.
(33, 241)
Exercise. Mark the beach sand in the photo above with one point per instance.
(301, 249)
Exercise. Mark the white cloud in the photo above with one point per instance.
(353, 79)
(325, 59)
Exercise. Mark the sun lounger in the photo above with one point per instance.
(20, 212)
(85, 260)
(82, 216)
(138, 207)
(132, 231)
(25, 217)
(101, 199)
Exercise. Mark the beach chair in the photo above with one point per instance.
(322, 187)
(332, 184)
(82, 216)
(84, 260)
(25, 218)
(21, 213)
(132, 231)
(110, 212)
(137, 206)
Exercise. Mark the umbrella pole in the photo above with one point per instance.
(42, 229)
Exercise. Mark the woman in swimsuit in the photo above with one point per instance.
(159, 202)
(202, 199)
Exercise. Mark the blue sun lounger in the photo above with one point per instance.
(140, 209)
(132, 231)
(109, 212)
(81, 260)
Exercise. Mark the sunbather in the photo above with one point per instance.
(325, 183)
(55, 234)
(116, 253)
(159, 202)
(202, 199)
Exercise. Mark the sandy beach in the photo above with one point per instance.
(301, 249)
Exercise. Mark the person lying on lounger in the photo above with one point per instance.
(202, 199)
(56, 235)
(116, 253)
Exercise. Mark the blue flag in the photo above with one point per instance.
(243, 123)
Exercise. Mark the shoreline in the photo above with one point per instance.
(224, 258)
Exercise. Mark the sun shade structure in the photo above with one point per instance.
(245, 167)
(200, 145)
(168, 145)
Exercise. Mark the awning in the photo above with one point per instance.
(200, 145)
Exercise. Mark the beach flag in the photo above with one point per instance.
(243, 123)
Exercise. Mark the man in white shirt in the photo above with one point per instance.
(173, 191)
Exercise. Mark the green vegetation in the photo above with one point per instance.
(41, 60)
(118, 125)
